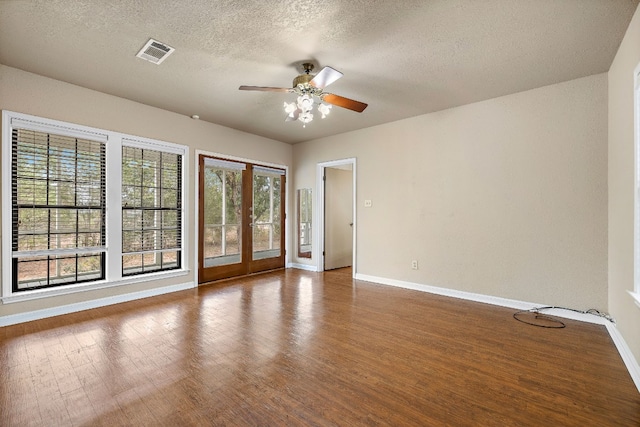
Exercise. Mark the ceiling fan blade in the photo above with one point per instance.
(343, 102)
(325, 77)
(265, 89)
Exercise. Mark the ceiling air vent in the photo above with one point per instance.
(155, 52)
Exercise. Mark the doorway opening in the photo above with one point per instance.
(337, 228)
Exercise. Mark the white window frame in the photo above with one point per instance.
(166, 148)
(113, 221)
(636, 246)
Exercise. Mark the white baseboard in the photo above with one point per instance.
(302, 266)
(13, 319)
(625, 352)
(623, 349)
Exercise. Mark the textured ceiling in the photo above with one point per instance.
(402, 58)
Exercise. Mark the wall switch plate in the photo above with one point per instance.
(367, 203)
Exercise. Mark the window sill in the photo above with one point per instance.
(636, 297)
(84, 287)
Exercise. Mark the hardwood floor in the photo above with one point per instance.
(297, 348)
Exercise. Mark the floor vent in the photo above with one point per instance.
(155, 52)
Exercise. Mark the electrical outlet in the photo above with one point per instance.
(414, 264)
(367, 203)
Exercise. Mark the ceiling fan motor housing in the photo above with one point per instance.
(302, 79)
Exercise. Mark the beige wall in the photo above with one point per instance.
(506, 197)
(621, 186)
(32, 94)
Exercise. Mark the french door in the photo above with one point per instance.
(240, 220)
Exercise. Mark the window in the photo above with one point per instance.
(57, 209)
(151, 210)
(70, 230)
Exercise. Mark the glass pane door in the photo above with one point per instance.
(222, 216)
(220, 219)
(240, 219)
(267, 214)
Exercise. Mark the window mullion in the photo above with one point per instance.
(113, 223)
(48, 183)
(271, 185)
(158, 229)
(223, 231)
(75, 202)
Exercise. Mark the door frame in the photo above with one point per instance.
(196, 198)
(318, 212)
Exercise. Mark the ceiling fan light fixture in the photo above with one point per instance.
(305, 102)
(305, 117)
(290, 108)
(302, 109)
(324, 110)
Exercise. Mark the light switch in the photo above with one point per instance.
(367, 203)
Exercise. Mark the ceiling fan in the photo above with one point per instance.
(310, 87)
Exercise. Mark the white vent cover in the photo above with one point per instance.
(155, 51)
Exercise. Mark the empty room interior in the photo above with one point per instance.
(320, 213)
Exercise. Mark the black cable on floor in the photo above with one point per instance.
(552, 322)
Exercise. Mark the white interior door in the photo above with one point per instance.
(338, 218)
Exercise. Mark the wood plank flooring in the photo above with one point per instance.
(295, 348)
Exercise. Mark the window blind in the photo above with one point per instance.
(59, 194)
(263, 170)
(223, 164)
